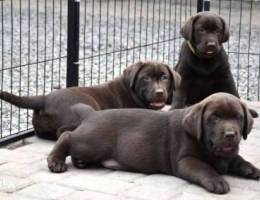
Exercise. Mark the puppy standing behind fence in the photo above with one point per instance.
(197, 143)
(142, 85)
(203, 63)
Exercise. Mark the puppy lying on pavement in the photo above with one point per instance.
(143, 85)
(198, 143)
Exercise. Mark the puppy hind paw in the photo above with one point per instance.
(56, 165)
(217, 185)
(111, 164)
(79, 163)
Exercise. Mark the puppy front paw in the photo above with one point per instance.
(56, 165)
(216, 185)
(247, 170)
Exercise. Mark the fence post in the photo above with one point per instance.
(199, 5)
(203, 5)
(206, 5)
(73, 43)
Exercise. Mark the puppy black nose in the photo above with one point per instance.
(159, 92)
(211, 44)
(229, 134)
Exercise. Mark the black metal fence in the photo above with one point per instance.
(50, 44)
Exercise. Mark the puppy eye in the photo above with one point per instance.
(239, 117)
(218, 31)
(164, 77)
(147, 78)
(214, 117)
(201, 30)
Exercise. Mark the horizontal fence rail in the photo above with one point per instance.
(51, 44)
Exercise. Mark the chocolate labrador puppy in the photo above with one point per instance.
(142, 85)
(203, 63)
(198, 143)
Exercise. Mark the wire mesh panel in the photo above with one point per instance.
(116, 33)
(33, 39)
(244, 43)
(112, 35)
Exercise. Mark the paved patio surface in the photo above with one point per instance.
(24, 176)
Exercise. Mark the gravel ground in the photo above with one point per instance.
(112, 28)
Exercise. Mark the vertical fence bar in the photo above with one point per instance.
(84, 40)
(45, 46)
(2, 64)
(92, 41)
(73, 43)
(60, 42)
(99, 41)
(248, 51)
(199, 5)
(206, 5)
(146, 29)
(114, 39)
(11, 71)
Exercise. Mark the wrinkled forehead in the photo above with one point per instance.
(209, 21)
(154, 69)
(227, 106)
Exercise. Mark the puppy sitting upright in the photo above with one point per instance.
(203, 63)
(197, 143)
(142, 85)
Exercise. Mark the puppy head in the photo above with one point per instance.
(219, 122)
(152, 82)
(206, 31)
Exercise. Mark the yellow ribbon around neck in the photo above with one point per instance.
(191, 47)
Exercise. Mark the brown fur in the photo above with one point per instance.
(142, 85)
(207, 71)
(198, 143)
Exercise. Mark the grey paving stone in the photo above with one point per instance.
(45, 191)
(2, 161)
(125, 176)
(243, 184)
(193, 192)
(156, 187)
(252, 142)
(96, 183)
(45, 175)
(158, 180)
(19, 197)
(41, 147)
(4, 195)
(152, 192)
(19, 156)
(247, 150)
(19, 170)
(88, 171)
(89, 195)
(10, 184)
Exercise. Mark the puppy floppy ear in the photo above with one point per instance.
(187, 28)
(193, 121)
(226, 32)
(131, 72)
(175, 81)
(248, 121)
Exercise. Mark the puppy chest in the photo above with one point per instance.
(199, 88)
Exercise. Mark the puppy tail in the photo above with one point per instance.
(32, 102)
(82, 110)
